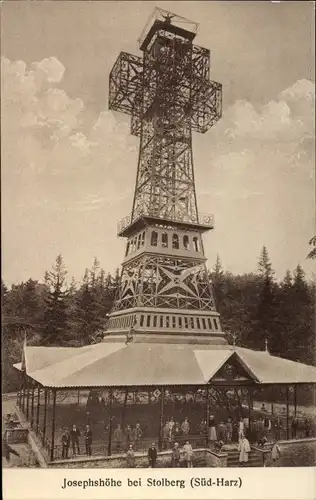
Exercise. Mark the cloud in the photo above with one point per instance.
(287, 118)
(45, 137)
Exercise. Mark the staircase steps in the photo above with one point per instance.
(254, 459)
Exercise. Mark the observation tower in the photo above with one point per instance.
(165, 292)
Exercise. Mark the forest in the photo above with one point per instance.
(254, 307)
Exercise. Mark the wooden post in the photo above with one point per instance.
(207, 416)
(38, 407)
(161, 419)
(287, 414)
(295, 400)
(53, 426)
(78, 396)
(45, 414)
(124, 407)
(27, 397)
(110, 423)
(23, 395)
(250, 403)
(32, 405)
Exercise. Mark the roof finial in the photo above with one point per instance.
(266, 345)
(234, 337)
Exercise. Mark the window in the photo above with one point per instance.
(138, 241)
(142, 320)
(127, 249)
(192, 322)
(175, 241)
(167, 322)
(154, 238)
(161, 321)
(209, 323)
(204, 323)
(186, 323)
(164, 240)
(196, 244)
(180, 321)
(148, 320)
(173, 321)
(155, 321)
(143, 238)
(186, 242)
(198, 323)
(216, 324)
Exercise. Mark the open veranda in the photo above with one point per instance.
(120, 418)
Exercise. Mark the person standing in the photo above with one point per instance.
(261, 430)
(277, 429)
(222, 432)
(188, 454)
(267, 426)
(88, 440)
(229, 430)
(244, 450)
(212, 434)
(118, 438)
(185, 427)
(74, 438)
(171, 425)
(130, 457)
(152, 456)
(202, 428)
(137, 434)
(241, 427)
(165, 435)
(129, 435)
(275, 452)
(65, 443)
(176, 455)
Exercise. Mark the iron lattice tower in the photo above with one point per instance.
(165, 288)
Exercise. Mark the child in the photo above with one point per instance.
(275, 452)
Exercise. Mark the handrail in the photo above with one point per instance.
(203, 219)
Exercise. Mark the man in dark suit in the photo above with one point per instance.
(74, 437)
(152, 456)
(88, 440)
(65, 442)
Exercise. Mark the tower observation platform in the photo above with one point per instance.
(165, 290)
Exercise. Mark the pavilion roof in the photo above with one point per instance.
(150, 364)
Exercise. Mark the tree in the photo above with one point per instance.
(312, 253)
(218, 281)
(266, 303)
(55, 314)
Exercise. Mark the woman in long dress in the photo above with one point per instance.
(212, 434)
(244, 449)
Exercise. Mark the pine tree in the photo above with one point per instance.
(266, 304)
(55, 314)
(312, 253)
(218, 280)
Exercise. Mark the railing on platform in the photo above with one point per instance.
(204, 219)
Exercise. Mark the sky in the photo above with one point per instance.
(69, 164)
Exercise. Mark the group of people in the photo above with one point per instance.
(125, 438)
(173, 429)
(153, 454)
(70, 439)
